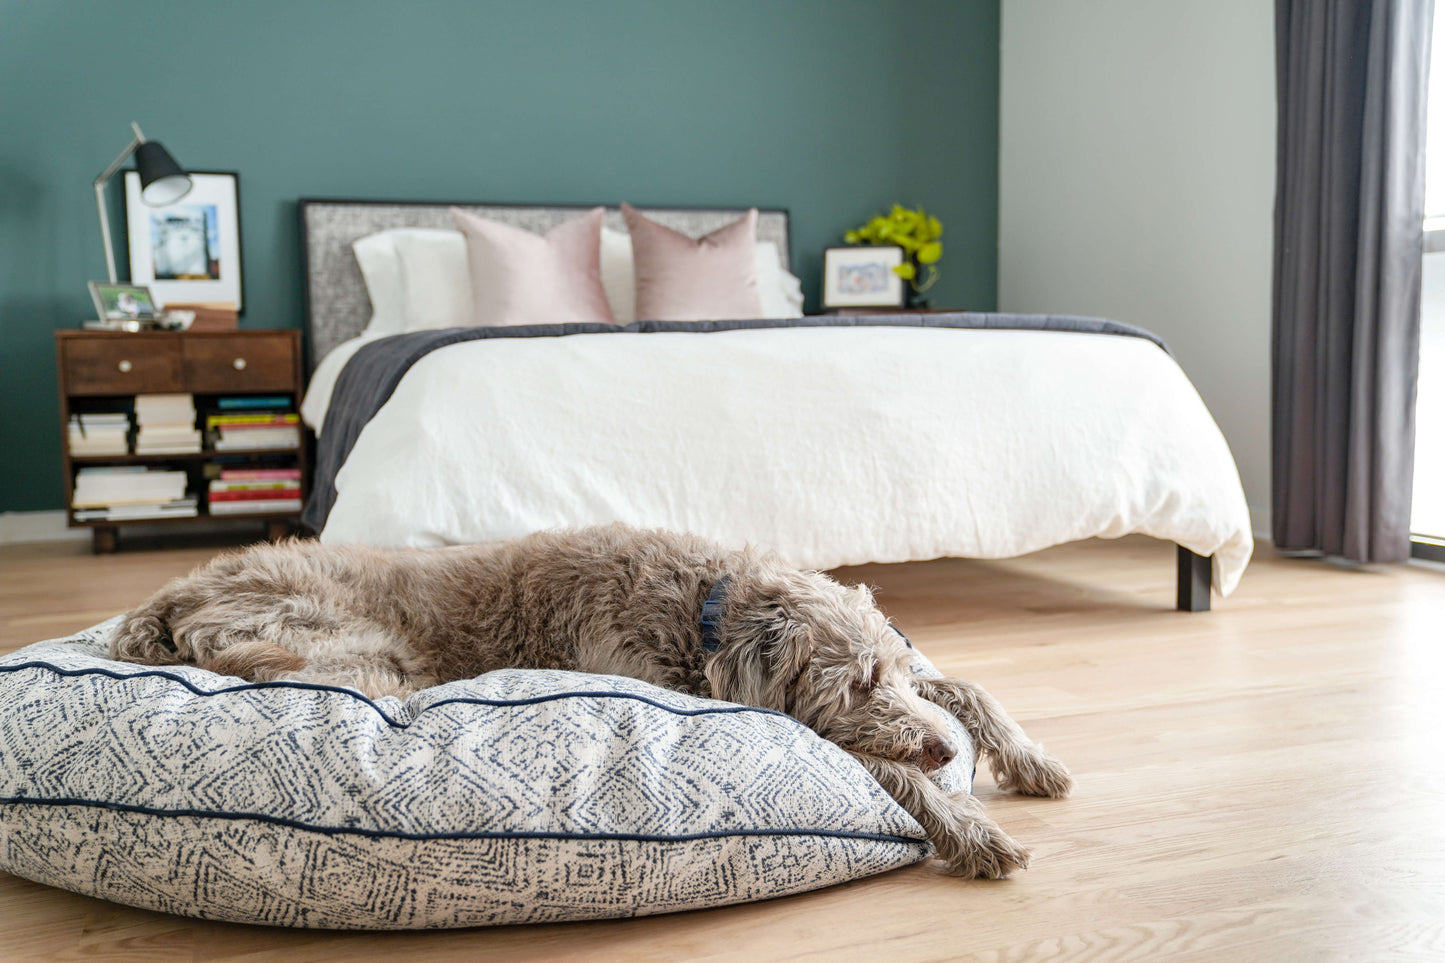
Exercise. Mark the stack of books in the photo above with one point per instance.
(129, 493)
(255, 491)
(253, 423)
(100, 433)
(166, 425)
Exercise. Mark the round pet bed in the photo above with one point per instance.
(515, 797)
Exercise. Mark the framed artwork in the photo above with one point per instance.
(862, 277)
(122, 302)
(188, 252)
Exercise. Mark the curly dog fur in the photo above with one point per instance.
(610, 600)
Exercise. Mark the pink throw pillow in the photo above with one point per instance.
(523, 278)
(714, 278)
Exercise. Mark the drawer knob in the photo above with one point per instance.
(124, 367)
(239, 364)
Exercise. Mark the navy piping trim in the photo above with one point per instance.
(384, 834)
(495, 703)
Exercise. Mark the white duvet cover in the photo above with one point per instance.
(829, 445)
(323, 380)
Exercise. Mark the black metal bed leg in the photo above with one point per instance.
(1194, 581)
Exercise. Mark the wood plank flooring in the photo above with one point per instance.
(1262, 782)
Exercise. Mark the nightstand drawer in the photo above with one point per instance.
(239, 363)
(121, 366)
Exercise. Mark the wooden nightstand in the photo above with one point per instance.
(102, 371)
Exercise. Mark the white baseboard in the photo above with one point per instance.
(38, 527)
(20, 527)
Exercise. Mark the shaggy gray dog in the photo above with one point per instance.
(609, 600)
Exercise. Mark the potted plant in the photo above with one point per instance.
(917, 233)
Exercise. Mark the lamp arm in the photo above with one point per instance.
(100, 183)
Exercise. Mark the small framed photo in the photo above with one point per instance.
(122, 302)
(188, 252)
(862, 277)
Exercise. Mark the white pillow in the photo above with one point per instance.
(417, 279)
(780, 293)
(376, 256)
(436, 280)
(617, 275)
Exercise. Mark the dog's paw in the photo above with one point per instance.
(1034, 773)
(145, 638)
(974, 847)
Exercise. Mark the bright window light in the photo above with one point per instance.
(1427, 517)
(1435, 130)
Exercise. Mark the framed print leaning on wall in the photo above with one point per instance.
(188, 252)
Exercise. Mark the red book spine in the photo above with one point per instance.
(256, 495)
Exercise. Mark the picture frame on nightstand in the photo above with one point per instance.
(862, 277)
(121, 304)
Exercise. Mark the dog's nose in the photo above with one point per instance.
(937, 754)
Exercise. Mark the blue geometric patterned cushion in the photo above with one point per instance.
(515, 797)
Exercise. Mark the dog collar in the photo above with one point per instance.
(714, 610)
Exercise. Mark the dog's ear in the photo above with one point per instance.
(761, 659)
(789, 652)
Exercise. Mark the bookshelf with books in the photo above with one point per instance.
(165, 428)
(244, 491)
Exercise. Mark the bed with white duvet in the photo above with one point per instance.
(831, 444)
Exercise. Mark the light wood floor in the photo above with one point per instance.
(1263, 782)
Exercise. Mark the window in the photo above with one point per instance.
(1427, 515)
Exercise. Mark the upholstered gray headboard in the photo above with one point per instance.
(337, 306)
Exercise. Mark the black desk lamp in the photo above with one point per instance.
(162, 182)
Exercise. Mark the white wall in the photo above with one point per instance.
(1136, 182)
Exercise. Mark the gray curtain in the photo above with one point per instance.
(1349, 202)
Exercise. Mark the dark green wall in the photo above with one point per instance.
(832, 108)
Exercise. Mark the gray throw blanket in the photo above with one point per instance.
(370, 377)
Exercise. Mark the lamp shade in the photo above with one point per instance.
(162, 181)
